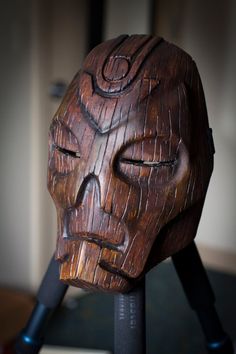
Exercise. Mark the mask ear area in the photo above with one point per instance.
(176, 235)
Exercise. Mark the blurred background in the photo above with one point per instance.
(43, 43)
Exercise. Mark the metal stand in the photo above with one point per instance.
(130, 329)
(50, 295)
(201, 298)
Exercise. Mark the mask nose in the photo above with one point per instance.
(89, 221)
(100, 191)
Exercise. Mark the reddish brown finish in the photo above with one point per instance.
(130, 158)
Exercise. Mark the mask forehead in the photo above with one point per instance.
(132, 100)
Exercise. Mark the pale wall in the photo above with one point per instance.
(126, 17)
(41, 41)
(211, 39)
(15, 142)
(207, 30)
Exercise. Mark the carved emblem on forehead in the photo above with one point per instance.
(106, 92)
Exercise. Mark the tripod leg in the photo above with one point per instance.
(198, 290)
(130, 329)
(50, 294)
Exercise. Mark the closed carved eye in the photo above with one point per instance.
(154, 164)
(63, 138)
(148, 158)
(64, 149)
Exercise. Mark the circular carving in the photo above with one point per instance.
(116, 68)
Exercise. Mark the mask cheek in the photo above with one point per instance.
(62, 189)
(162, 201)
(60, 163)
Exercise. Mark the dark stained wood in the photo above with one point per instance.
(130, 158)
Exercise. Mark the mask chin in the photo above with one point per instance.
(183, 227)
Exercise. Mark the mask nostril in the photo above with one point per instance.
(91, 185)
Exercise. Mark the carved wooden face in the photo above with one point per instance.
(128, 154)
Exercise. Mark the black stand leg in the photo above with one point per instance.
(130, 329)
(50, 294)
(201, 298)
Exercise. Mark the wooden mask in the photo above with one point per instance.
(130, 158)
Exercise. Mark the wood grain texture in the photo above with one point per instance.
(130, 158)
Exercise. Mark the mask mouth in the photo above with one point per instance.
(111, 269)
(107, 232)
(91, 263)
(97, 239)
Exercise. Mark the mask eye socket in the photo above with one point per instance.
(64, 149)
(153, 159)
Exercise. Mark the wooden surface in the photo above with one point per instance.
(15, 308)
(130, 158)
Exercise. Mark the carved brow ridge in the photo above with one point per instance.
(118, 96)
(59, 122)
(90, 119)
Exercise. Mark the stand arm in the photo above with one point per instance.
(199, 293)
(50, 294)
